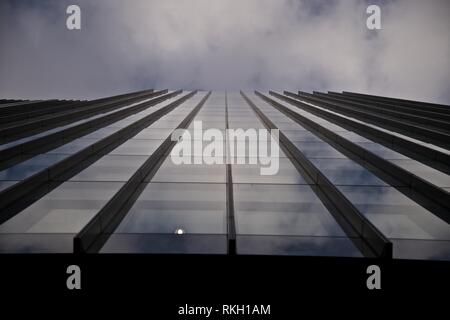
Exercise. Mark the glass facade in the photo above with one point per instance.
(135, 195)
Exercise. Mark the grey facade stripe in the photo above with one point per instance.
(124, 95)
(4, 101)
(21, 152)
(45, 122)
(24, 105)
(11, 133)
(36, 111)
(366, 237)
(427, 121)
(423, 134)
(27, 107)
(426, 112)
(31, 115)
(23, 193)
(399, 101)
(437, 199)
(95, 234)
(423, 124)
(438, 160)
(231, 222)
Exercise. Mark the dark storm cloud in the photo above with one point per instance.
(211, 44)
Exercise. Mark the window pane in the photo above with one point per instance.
(137, 147)
(166, 243)
(170, 172)
(73, 147)
(346, 172)
(251, 173)
(167, 207)
(399, 218)
(318, 150)
(29, 167)
(306, 246)
(156, 134)
(285, 210)
(427, 173)
(301, 135)
(381, 150)
(111, 168)
(282, 210)
(50, 224)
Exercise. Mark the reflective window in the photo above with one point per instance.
(301, 135)
(288, 126)
(73, 147)
(170, 172)
(166, 243)
(282, 210)
(155, 134)
(331, 126)
(251, 173)
(137, 147)
(50, 224)
(210, 118)
(318, 150)
(208, 125)
(29, 167)
(415, 232)
(170, 207)
(246, 117)
(111, 168)
(381, 150)
(246, 124)
(101, 133)
(251, 148)
(65, 209)
(346, 172)
(296, 245)
(165, 124)
(263, 213)
(427, 173)
(353, 137)
(396, 215)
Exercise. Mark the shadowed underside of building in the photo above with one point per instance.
(359, 176)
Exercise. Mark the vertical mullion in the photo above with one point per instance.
(231, 224)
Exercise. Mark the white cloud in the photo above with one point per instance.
(212, 44)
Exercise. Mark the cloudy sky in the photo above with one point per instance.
(212, 44)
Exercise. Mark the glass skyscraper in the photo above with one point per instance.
(358, 176)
